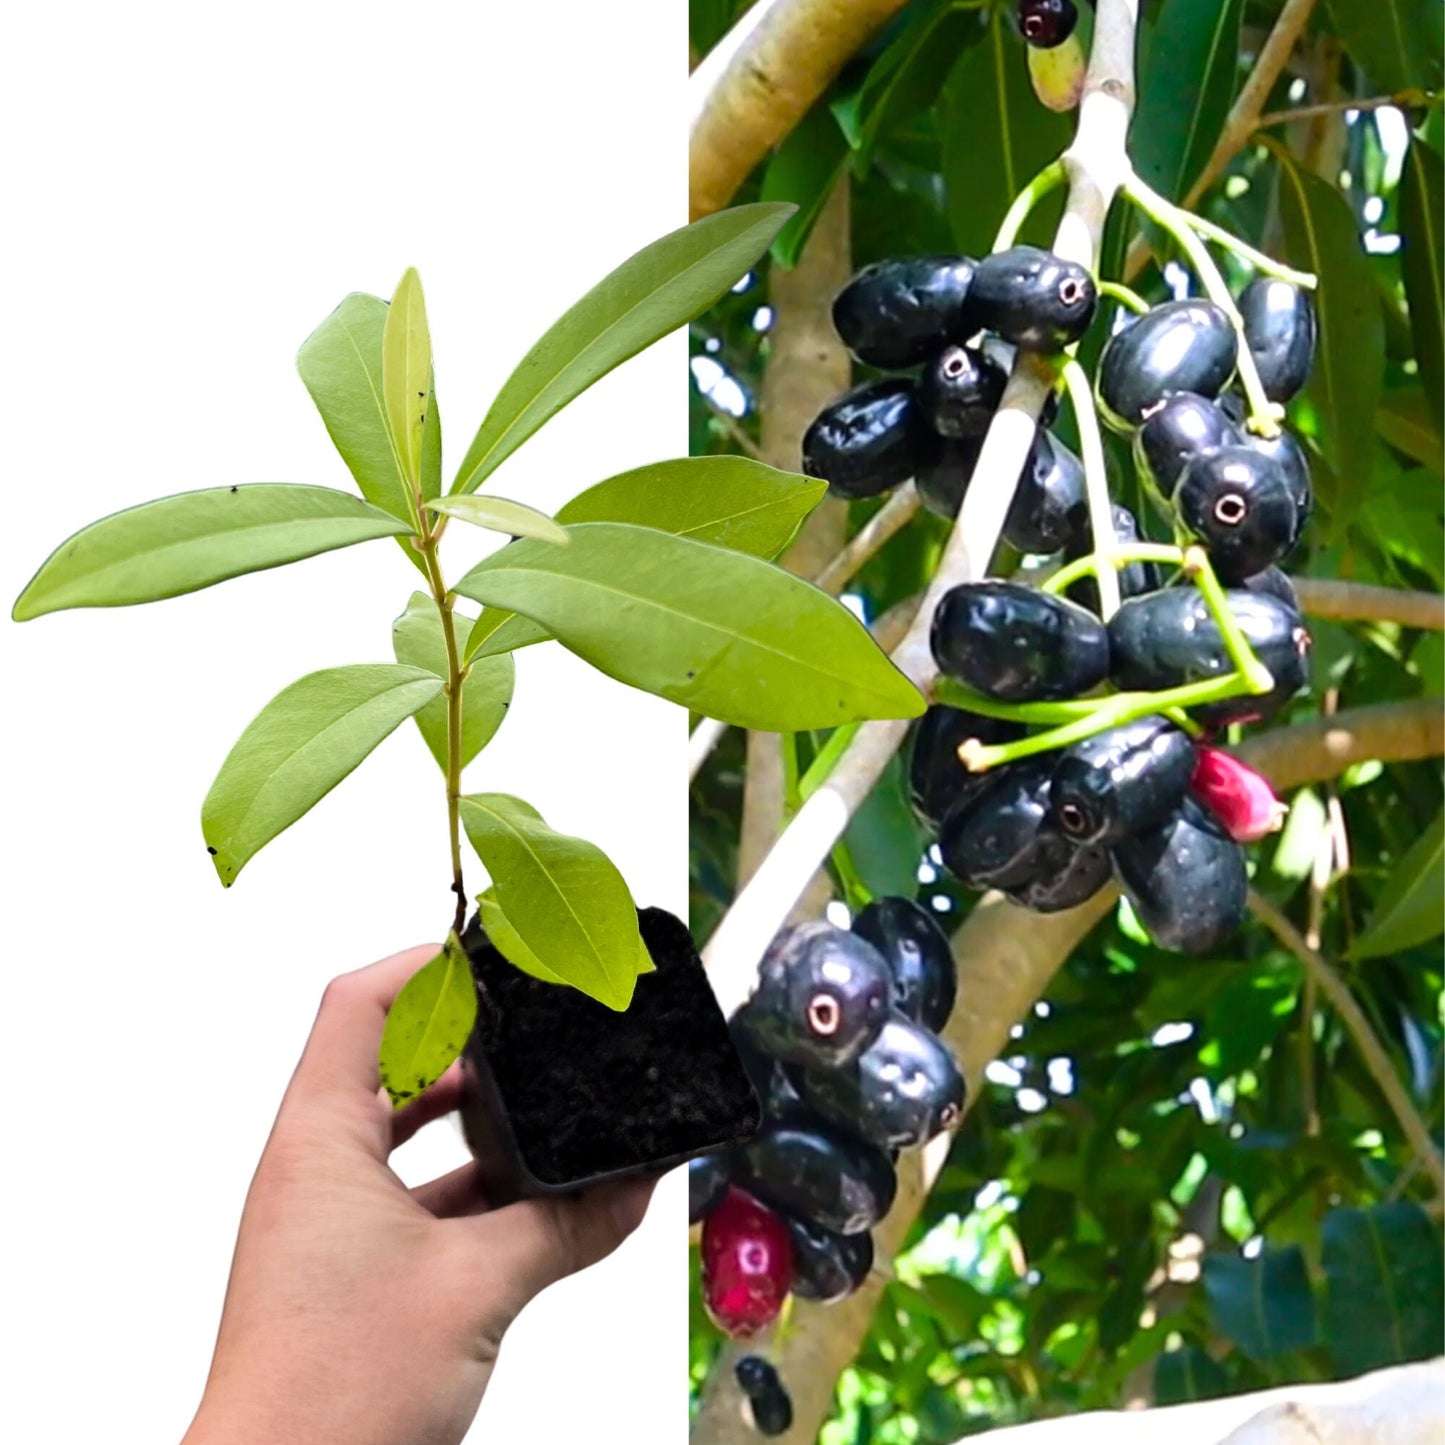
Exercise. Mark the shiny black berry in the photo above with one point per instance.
(1181, 428)
(936, 778)
(1046, 23)
(1134, 579)
(1280, 331)
(1017, 644)
(819, 1172)
(1050, 508)
(959, 392)
(1272, 582)
(827, 1266)
(925, 976)
(944, 473)
(771, 1080)
(1121, 781)
(894, 314)
(768, 1401)
(869, 440)
(1287, 454)
(1186, 879)
(1169, 638)
(1236, 502)
(1075, 880)
(1032, 298)
(821, 997)
(1179, 346)
(707, 1182)
(1002, 836)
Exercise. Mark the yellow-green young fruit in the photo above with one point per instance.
(1058, 74)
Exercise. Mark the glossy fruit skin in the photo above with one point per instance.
(944, 473)
(925, 976)
(936, 778)
(1079, 875)
(1182, 427)
(1240, 798)
(707, 1182)
(869, 440)
(1017, 644)
(1287, 454)
(770, 1078)
(1186, 879)
(1050, 508)
(1032, 298)
(827, 1266)
(769, 1404)
(1121, 781)
(1179, 346)
(818, 1172)
(1280, 331)
(1001, 837)
(1236, 502)
(959, 391)
(903, 1089)
(1169, 638)
(1046, 23)
(897, 313)
(821, 997)
(1272, 582)
(747, 1264)
(1136, 578)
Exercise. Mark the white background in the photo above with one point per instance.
(189, 190)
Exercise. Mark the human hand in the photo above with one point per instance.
(361, 1312)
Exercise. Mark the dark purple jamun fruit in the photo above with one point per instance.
(1181, 428)
(1179, 346)
(1236, 502)
(1017, 644)
(707, 1182)
(1002, 836)
(944, 473)
(959, 392)
(1280, 331)
(925, 976)
(1134, 579)
(816, 1171)
(1186, 879)
(1080, 875)
(1273, 582)
(1121, 781)
(1050, 508)
(1032, 298)
(1289, 456)
(897, 313)
(768, 1401)
(1046, 23)
(769, 1077)
(870, 440)
(827, 1266)
(936, 777)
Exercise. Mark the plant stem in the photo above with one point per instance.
(1066, 576)
(456, 675)
(1124, 295)
(1250, 668)
(1096, 483)
(955, 694)
(1258, 259)
(1049, 179)
(823, 763)
(792, 799)
(886, 522)
(1404, 98)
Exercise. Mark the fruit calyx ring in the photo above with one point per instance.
(824, 1015)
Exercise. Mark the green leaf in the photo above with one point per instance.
(1407, 911)
(1345, 384)
(428, 1025)
(727, 635)
(300, 745)
(508, 941)
(497, 514)
(1263, 1304)
(498, 632)
(1405, 420)
(341, 365)
(1186, 84)
(418, 641)
(563, 896)
(996, 138)
(1422, 206)
(1384, 1304)
(883, 836)
(1188, 1374)
(1396, 42)
(406, 371)
(804, 169)
(659, 289)
(183, 543)
(431, 445)
(733, 502)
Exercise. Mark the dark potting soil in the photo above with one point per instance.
(588, 1090)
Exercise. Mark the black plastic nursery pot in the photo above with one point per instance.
(562, 1092)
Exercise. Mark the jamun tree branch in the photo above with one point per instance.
(1096, 164)
(1007, 957)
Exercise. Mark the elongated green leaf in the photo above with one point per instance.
(1188, 1374)
(498, 632)
(428, 1025)
(1396, 42)
(1385, 1303)
(659, 289)
(1345, 384)
(406, 371)
(727, 635)
(1405, 420)
(418, 641)
(497, 514)
(1407, 911)
(996, 138)
(563, 896)
(300, 745)
(1187, 81)
(183, 543)
(508, 940)
(883, 837)
(341, 365)
(1422, 259)
(804, 170)
(431, 445)
(1263, 1304)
